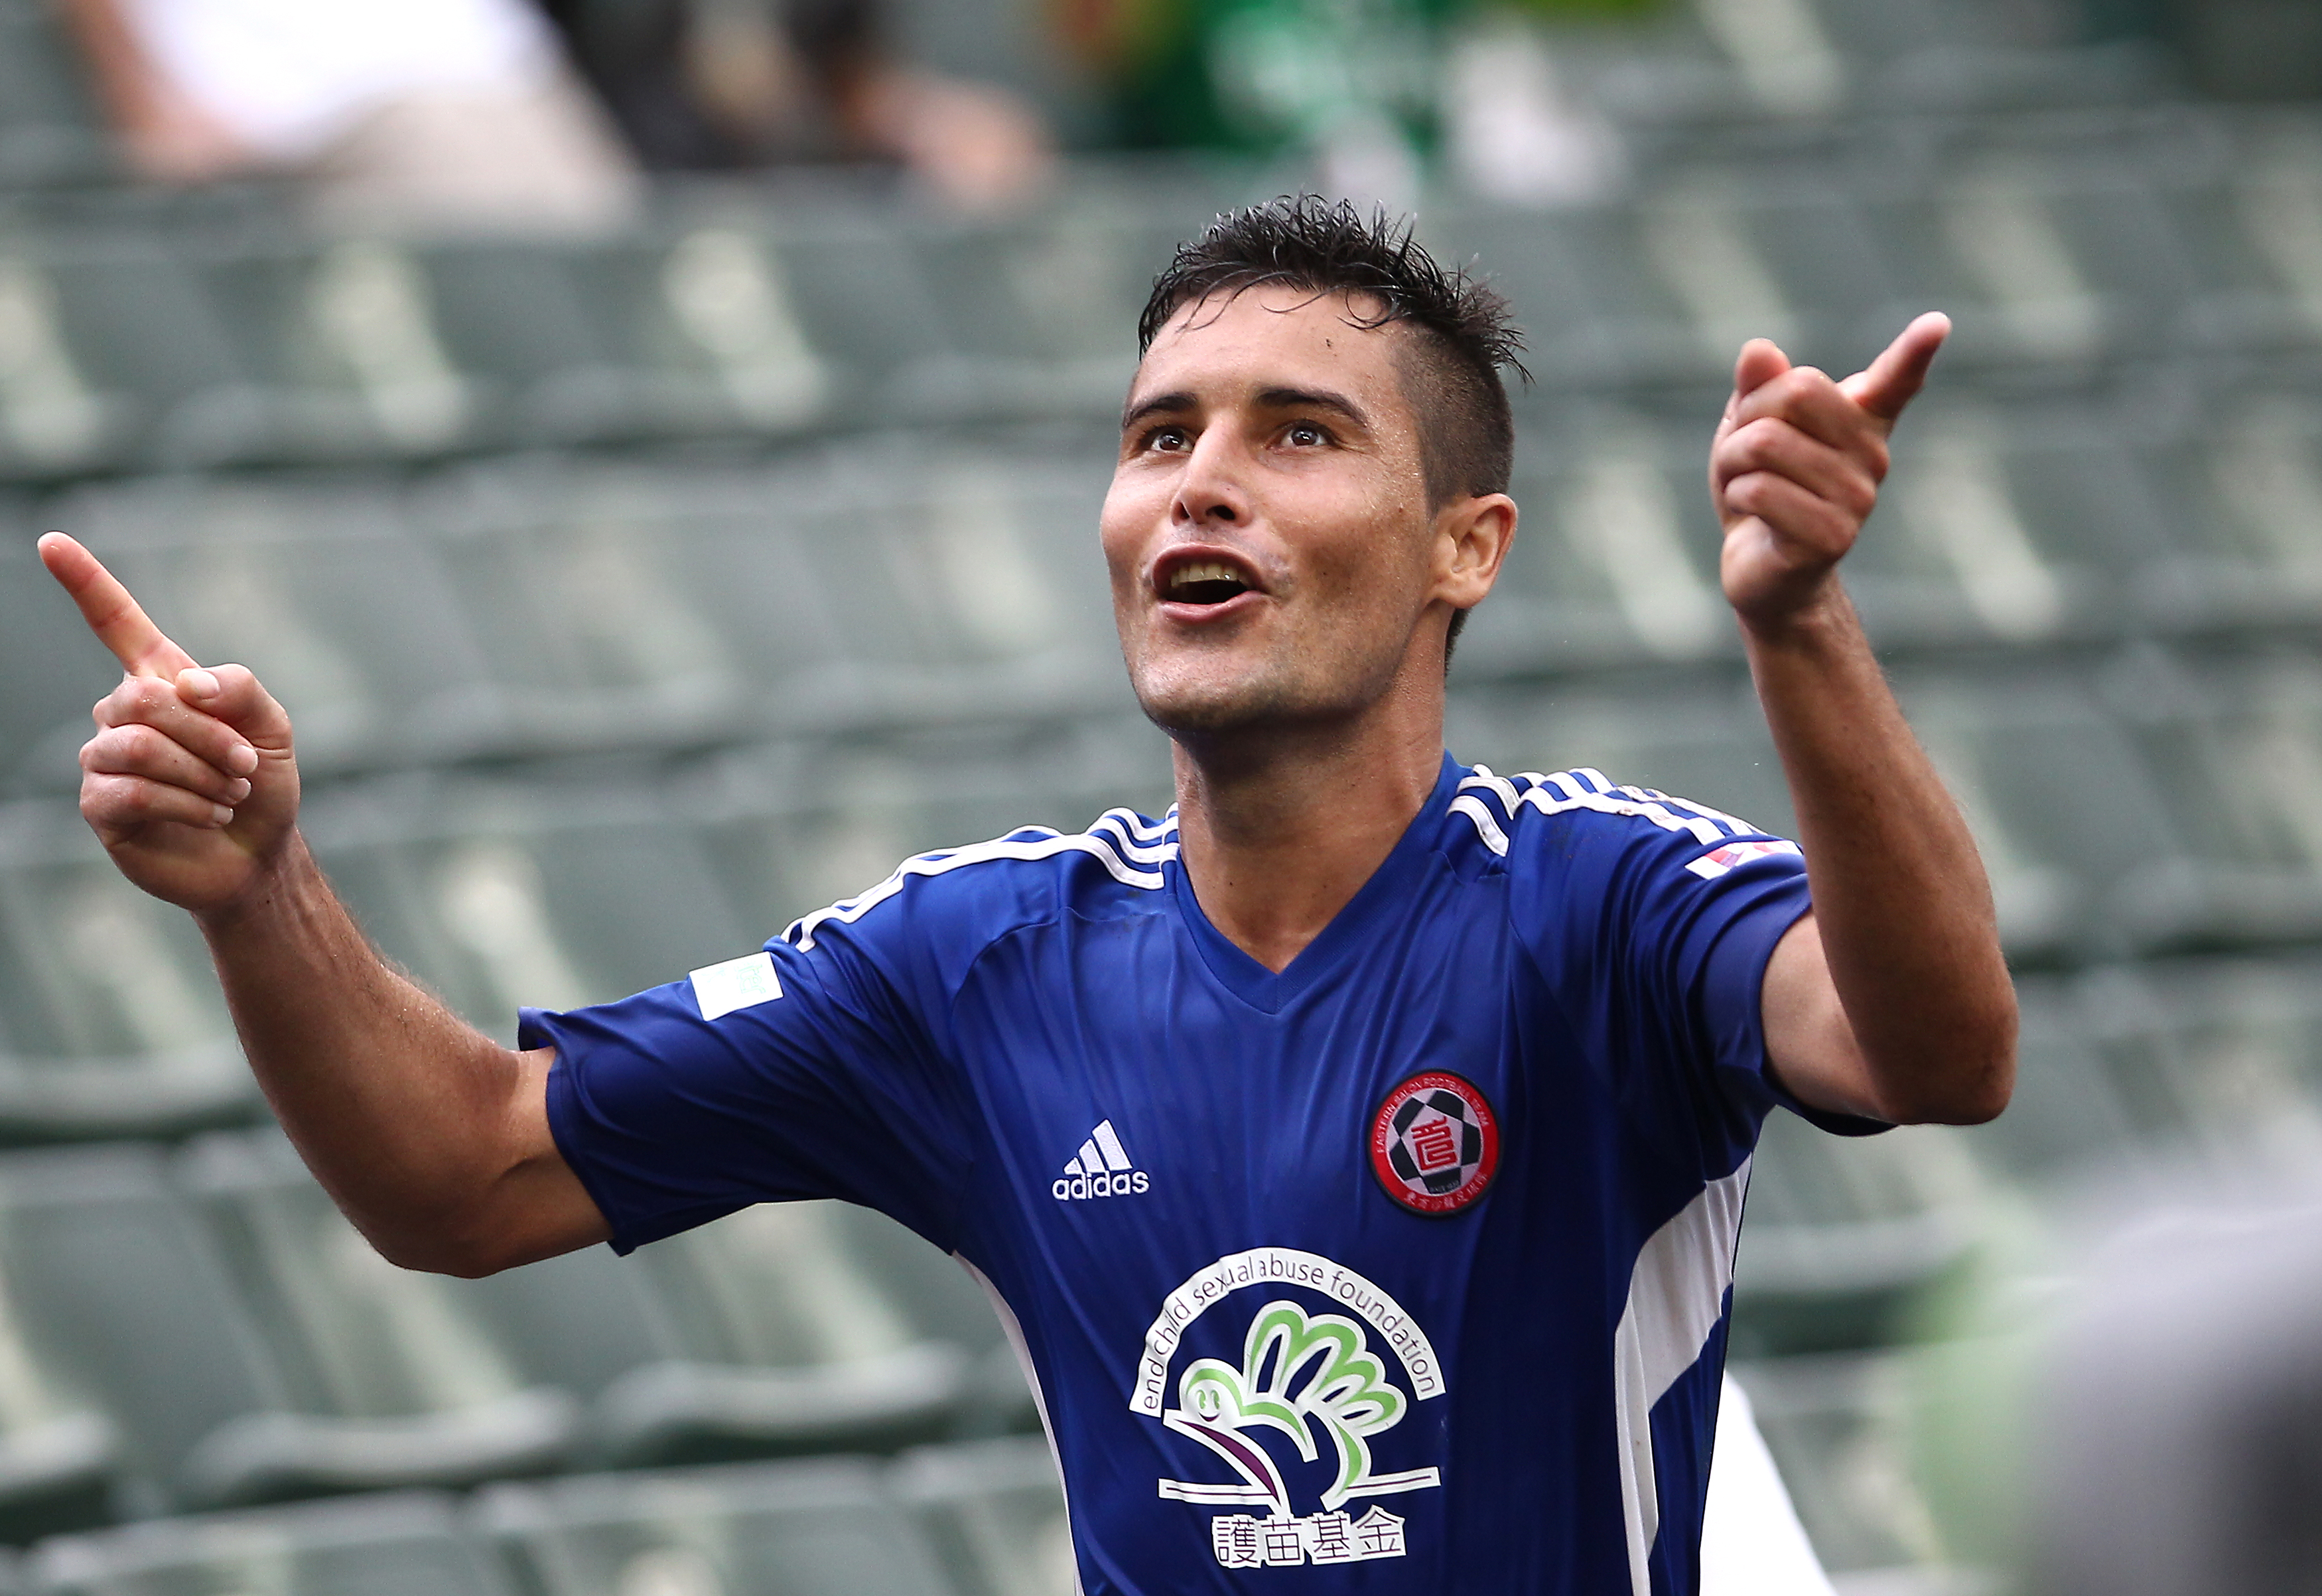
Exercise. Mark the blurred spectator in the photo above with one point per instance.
(2183, 1452)
(2243, 50)
(392, 111)
(1371, 89)
(705, 85)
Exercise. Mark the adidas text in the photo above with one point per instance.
(1126, 1183)
(1101, 1168)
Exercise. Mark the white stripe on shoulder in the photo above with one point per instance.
(1121, 859)
(1739, 828)
(1134, 841)
(1565, 790)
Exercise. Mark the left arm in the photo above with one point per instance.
(1891, 999)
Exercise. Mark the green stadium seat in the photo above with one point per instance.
(827, 1528)
(391, 1378)
(2068, 1115)
(346, 351)
(2080, 850)
(1843, 1231)
(318, 587)
(2216, 1062)
(1836, 1426)
(409, 1543)
(49, 130)
(2248, 225)
(123, 357)
(2240, 489)
(131, 1346)
(1044, 312)
(2232, 742)
(47, 651)
(701, 602)
(864, 306)
(111, 1023)
(503, 895)
(995, 1513)
(700, 333)
(806, 1327)
(1615, 555)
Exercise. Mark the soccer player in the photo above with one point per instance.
(1356, 1152)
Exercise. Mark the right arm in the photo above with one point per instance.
(431, 1136)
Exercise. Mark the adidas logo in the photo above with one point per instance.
(1100, 1169)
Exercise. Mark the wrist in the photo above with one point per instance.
(276, 880)
(1817, 621)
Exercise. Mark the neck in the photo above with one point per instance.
(1279, 827)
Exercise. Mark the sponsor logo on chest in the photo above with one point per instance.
(1101, 1168)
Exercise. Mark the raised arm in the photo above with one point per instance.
(1891, 1000)
(432, 1137)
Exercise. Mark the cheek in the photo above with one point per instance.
(1121, 536)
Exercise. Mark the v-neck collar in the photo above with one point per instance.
(1264, 989)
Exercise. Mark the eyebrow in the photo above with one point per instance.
(1272, 398)
(1158, 405)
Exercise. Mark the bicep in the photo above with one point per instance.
(1810, 1047)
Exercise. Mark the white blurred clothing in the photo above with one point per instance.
(1751, 1542)
(288, 77)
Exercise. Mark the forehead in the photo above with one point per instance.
(1273, 335)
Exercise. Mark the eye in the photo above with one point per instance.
(1305, 435)
(1168, 439)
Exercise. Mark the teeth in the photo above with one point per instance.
(1203, 570)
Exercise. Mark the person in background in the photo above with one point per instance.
(1372, 92)
(417, 112)
(731, 85)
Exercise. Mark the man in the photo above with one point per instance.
(1358, 1151)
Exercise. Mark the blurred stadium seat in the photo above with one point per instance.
(995, 1512)
(826, 1527)
(123, 1327)
(388, 1378)
(806, 1327)
(406, 1545)
(110, 1024)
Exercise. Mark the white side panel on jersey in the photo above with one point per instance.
(1751, 1542)
(1014, 1330)
(1676, 1295)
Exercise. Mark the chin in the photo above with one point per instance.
(1211, 706)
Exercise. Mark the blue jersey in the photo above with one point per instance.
(1407, 1266)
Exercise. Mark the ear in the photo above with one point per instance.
(1473, 536)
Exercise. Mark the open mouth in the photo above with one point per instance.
(1203, 582)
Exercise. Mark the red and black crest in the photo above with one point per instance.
(1435, 1144)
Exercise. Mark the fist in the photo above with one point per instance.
(1796, 467)
(189, 782)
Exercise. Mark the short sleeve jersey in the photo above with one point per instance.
(1406, 1267)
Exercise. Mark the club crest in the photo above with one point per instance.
(1435, 1144)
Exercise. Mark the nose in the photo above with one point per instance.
(1210, 490)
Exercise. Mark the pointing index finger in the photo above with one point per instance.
(1893, 379)
(141, 646)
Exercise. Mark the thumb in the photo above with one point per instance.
(232, 694)
(1760, 361)
(1893, 379)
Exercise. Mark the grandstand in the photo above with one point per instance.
(613, 584)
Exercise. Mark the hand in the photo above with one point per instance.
(189, 782)
(1795, 466)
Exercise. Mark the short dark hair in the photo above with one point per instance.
(1463, 333)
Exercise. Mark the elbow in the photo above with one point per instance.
(1968, 1081)
(443, 1245)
